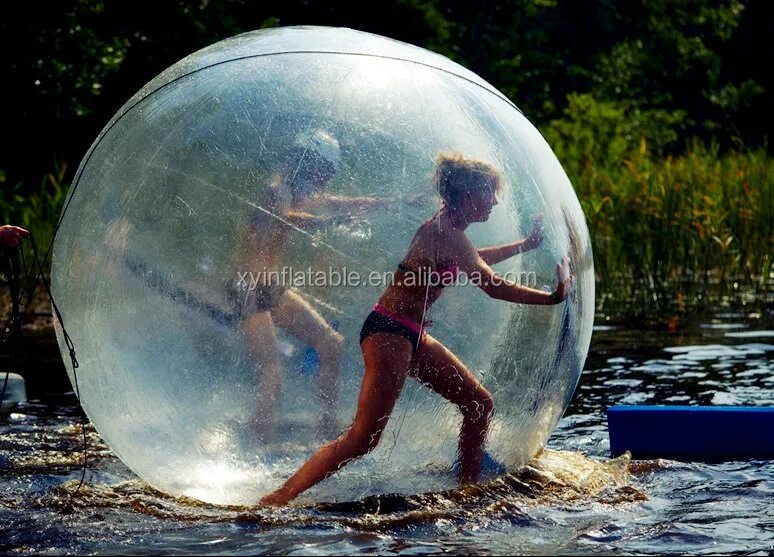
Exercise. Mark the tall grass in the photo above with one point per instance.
(669, 234)
(679, 232)
(35, 208)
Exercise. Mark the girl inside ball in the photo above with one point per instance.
(394, 340)
(295, 201)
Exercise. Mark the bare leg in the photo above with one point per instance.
(438, 368)
(262, 344)
(387, 358)
(296, 316)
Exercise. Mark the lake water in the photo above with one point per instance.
(571, 499)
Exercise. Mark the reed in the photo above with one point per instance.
(675, 233)
(35, 208)
(670, 233)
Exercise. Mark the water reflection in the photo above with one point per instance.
(571, 499)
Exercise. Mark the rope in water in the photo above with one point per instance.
(24, 281)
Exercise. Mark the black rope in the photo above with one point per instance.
(14, 266)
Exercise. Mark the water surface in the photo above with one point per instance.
(571, 499)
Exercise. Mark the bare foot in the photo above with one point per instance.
(276, 498)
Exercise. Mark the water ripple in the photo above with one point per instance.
(571, 499)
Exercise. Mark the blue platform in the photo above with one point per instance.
(692, 433)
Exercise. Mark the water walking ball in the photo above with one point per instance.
(260, 191)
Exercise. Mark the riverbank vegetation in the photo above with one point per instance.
(658, 111)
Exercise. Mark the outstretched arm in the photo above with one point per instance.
(497, 286)
(363, 204)
(343, 203)
(307, 221)
(495, 254)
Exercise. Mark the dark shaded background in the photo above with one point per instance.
(679, 69)
(657, 109)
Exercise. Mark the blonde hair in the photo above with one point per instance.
(456, 174)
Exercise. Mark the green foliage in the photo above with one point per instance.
(678, 68)
(71, 59)
(668, 232)
(590, 132)
(622, 91)
(672, 233)
(36, 210)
